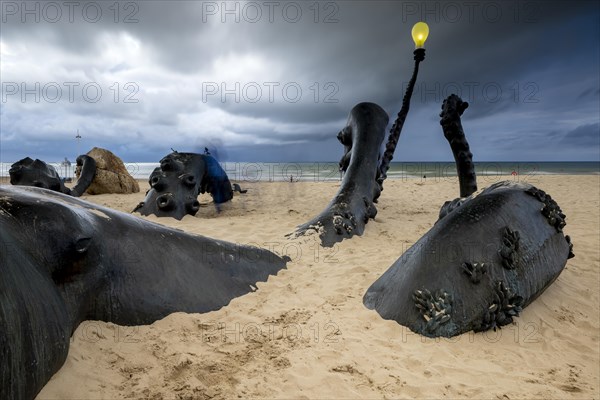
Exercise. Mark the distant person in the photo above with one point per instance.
(206, 151)
(291, 178)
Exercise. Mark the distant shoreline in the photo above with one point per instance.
(329, 171)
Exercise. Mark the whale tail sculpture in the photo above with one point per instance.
(64, 260)
(28, 172)
(486, 258)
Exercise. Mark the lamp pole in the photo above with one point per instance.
(78, 137)
(419, 33)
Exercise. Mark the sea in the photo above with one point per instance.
(329, 171)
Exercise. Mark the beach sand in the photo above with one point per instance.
(306, 334)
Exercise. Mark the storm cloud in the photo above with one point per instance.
(274, 81)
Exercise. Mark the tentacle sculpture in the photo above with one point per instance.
(28, 172)
(353, 205)
(452, 109)
(88, 171)
(176, 184)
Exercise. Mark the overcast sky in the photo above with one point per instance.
(275, 80)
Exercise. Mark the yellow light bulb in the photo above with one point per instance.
(419, 34)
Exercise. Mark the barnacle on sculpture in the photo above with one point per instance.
(551, 209)
(474, 271)
(568, 239)
(537, 193)
(435, 308)
(555, 216)
(503, 308)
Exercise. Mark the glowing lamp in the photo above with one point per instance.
(419, 34)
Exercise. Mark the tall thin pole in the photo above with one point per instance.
(390, 147)
(78, 137)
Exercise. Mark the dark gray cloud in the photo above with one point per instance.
(279, 86)
(585, 135)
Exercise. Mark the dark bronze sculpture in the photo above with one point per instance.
(28, 172)
(176, 184)
(486, 258)
(390, 147)
(365, 169)
(64, 260)
(349, 211)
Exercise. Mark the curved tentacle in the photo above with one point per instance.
(353, 205)
(452, 109)
(88, 172)
(392, 142)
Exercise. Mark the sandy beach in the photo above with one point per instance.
(306, 334)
